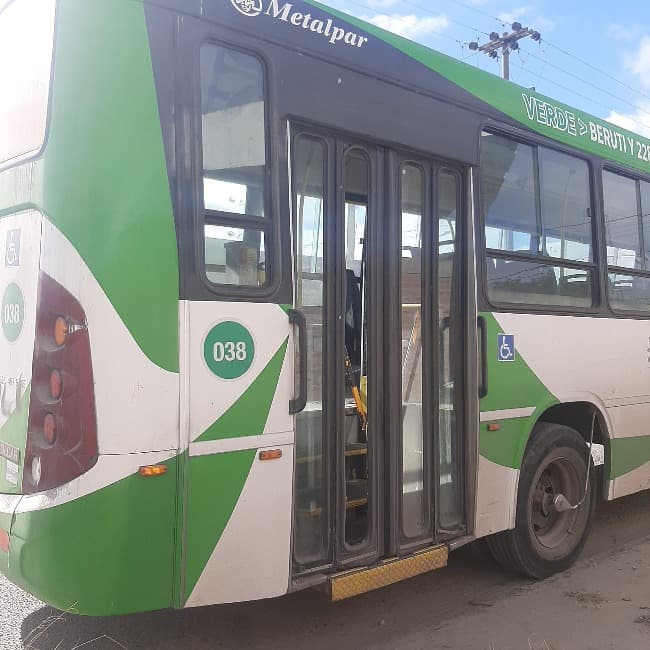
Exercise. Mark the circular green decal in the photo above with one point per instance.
(229, 350)
(13, 312)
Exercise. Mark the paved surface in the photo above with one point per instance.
(602, 603)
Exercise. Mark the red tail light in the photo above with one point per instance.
(62, 428)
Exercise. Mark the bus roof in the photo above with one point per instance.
(524, 106)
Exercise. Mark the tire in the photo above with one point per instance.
(545, 541)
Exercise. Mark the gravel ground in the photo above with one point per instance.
(602, 603)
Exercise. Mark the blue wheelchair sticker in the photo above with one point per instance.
(506, 343)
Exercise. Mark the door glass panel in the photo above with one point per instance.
(356, 175)
(449, 515)
(311, 518)
(413, 495)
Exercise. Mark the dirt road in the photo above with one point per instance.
(600, 604)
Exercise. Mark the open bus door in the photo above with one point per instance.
(378, 287)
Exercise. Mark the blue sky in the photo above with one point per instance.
(594, 55)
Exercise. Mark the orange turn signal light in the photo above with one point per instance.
(4, 541)
(275, 454)
(494, 427)
(60, 330)
(152, 470)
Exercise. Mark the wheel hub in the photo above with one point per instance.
(550, 526)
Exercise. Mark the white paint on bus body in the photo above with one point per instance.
(607, 359)
(252, 559)
(209, 397)
(137, 402)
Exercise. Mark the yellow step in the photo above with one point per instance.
(361, 581)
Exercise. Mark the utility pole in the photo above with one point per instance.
(506, 43)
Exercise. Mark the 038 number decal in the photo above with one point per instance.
(13, 312)
(229, 350)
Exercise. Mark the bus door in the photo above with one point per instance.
(376, 313)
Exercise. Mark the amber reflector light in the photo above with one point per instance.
(152, 470)
(271, 455)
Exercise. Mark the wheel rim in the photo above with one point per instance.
(556, 534)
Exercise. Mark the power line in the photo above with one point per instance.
(587, 83)
(464, 44)
(480, 11)
(404, 19)
(572, 91)
(593, 67)
(451, 20)
(560, 49)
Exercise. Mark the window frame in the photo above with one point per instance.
(620, 270)
(541, 259)
(268, 224)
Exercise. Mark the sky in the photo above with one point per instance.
(594, 54)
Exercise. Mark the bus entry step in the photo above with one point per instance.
(361, 581)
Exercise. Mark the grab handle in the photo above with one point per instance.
(297, 319)
(483, 360)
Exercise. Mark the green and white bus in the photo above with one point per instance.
(289, 301)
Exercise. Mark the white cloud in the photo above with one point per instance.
(543, 22)
(638, 121)
(410, 26)
(620, 32)
(639, 63)
(515, 14)
(382, 4)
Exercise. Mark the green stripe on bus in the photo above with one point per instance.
(118, 215)
(109, 552)
(626, 455)
(248, 415)
(511, 385)
(215, 485)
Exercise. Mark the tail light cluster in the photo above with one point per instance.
(62, 429)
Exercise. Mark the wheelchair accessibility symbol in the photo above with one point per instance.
(12, 249)
(506, 344)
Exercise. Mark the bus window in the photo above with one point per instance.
(508, 185)
(538, 221)
(628, 241)
(26, 43)
(622, 221)
(645, 217)
(565, 205)
(234, 167)
(234, 142)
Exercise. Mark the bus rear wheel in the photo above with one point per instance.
(547, 539)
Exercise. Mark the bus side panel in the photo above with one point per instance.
(564, 359)
(107, 552)
(516, 398)
(604, 362)
(238, 535)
